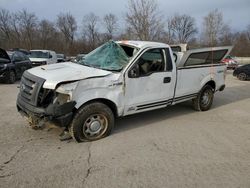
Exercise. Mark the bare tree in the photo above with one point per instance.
(143, 19)
(66, 23)
(183, 28)
(90, 30)
(110, 24)
(28, 23)
(226, 37)
(241, 45)
(5, 26)
(47, 33)
(248, 32)
(16, 30)
(213, 27)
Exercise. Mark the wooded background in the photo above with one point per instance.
(143, 21)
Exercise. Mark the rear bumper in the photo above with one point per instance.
(60, 114)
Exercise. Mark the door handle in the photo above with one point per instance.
(166, 79)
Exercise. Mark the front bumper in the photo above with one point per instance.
(38, 63)
(60, 114)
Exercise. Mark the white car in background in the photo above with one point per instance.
(42, 57)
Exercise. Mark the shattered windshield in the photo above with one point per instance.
(109, 56)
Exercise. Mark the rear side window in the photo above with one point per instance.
(205, 57)
(176, 48)
(21, 56)
(151, 61)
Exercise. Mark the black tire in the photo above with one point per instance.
(242, 76)
(11, 78)
(204, 100)
(92, 122)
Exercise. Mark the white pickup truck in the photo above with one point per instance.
(119, 79)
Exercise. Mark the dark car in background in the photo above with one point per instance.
(242, 72)
(26, 52)
(12, 65)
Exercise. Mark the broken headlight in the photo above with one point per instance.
(64, 92)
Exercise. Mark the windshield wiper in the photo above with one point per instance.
(113, 70)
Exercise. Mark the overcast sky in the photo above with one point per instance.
(236, 12)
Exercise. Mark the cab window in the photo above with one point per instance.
(151, 61)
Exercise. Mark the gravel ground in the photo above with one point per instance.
(173, 147)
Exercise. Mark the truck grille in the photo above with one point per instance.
(30, 87)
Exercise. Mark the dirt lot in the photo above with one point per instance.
(174, 147)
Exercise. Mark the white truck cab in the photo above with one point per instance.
(119, 79)
(42, 57)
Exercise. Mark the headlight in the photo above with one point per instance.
(65, 90)
(4, 66)
(61, 98)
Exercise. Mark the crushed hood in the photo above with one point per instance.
(64, 72)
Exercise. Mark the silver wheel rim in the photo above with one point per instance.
(206, 98)
(95, 126)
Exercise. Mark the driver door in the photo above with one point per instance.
(150, 81)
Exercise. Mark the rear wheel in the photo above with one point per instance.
(242, 76)
(204, 100)
(11, 78)
(92, 122)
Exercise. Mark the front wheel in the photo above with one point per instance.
(11, 78)
(204, 100)
(242, 76)
(92, 122)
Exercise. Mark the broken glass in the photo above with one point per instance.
(109, 56)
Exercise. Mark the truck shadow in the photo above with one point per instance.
(228, 96)
(145, 118)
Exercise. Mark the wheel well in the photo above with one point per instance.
(13, 70)
(211, 83)
(109, 103)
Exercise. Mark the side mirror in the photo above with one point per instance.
(50, 56)
(134, 72)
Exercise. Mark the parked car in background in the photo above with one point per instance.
(42, 57)
(71, 58)
(242, 72)
(12, 65)
(61, 58)
(79, 57)
(230, 62)
(26, 52)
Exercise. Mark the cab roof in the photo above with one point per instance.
(142, 44)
